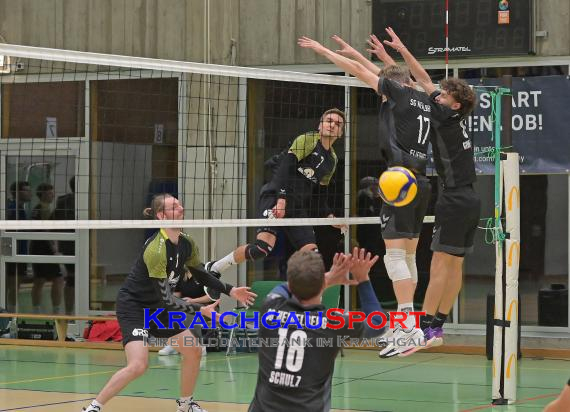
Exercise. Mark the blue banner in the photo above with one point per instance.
(540, 124)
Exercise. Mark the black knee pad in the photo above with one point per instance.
(257, 250)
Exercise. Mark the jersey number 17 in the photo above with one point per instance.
(422, 137)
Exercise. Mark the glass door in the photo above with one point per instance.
(37, 268)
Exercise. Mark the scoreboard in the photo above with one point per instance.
(476, 27)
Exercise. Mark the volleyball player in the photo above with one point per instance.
(308, 162)
(296, 375)
(164, 258)
(458, 205)
(404, 131)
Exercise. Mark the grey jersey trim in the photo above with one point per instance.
(172, 302)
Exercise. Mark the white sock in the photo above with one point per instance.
(96, 404)
(410, 321)
(406, 307)
(224, 263)
(185, 399)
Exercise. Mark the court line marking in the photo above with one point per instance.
(380, 373)
(356, 397)
(148, 397)
(45, 404)
(485, 385)
(343, 380)
(253, 354)
(97, 373)
(488, 406)
(247, 355)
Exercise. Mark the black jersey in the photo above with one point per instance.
(159, 259)
(296, 374)
(306, 164)
(452, 147)
(405, 125)
(189, 288)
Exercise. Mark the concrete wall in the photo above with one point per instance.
(262, 32)
(553, 16)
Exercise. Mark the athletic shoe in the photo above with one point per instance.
(386, 337)
(91, 408)
(192, 406)
(167, 351)
(404, 342)
(434, 336)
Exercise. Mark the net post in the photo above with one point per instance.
(510, 162)
(505, 348)
(497, 388)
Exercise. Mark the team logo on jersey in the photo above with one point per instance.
(140, 332)
(308, 172)
(173, 279)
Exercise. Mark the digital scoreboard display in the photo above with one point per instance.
(476, 27)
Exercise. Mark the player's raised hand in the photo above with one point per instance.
(339, 271)
(362, 263)
(346, 49)
(396, 43)
(376, 47)
(243, 295)
(308, 43)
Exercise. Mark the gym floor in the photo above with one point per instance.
(65, 379)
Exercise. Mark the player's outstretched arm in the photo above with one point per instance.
(377, 48)
(346, 64)
(417, 70)
(350, 52)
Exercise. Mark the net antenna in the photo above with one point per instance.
(446, 39)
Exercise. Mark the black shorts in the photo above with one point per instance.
(406, 222)
(131, 320)
(299, 236)
(456, 218)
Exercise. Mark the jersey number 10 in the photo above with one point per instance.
(295, 348)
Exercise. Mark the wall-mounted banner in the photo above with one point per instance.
(540, 122)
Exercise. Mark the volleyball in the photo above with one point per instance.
(398, 186)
